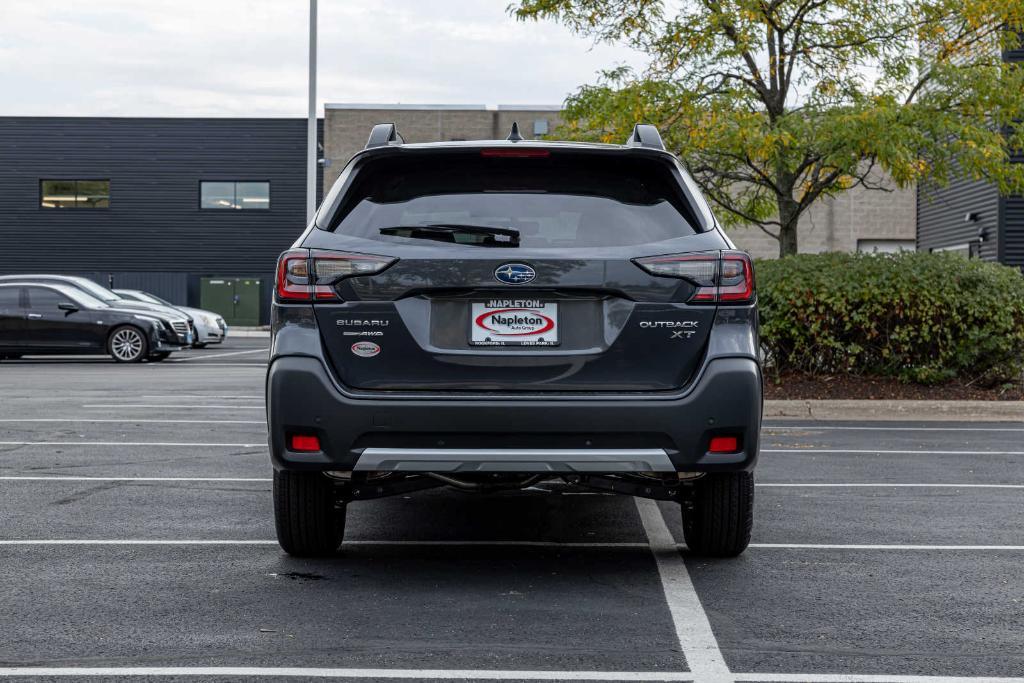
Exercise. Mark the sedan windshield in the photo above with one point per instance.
(97, 291)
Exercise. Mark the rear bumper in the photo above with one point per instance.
(563, 434)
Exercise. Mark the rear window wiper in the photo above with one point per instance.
(479, 235)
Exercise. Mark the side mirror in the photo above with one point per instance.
(69, 307)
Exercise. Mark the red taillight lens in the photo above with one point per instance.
(724, 444)
(724, 277)
(736, 280)
(303, 275)
(304, 443)
(513, 153)
(293, 275)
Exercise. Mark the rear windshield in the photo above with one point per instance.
(562, 200)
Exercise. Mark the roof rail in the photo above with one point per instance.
(384, 134)
(645, 135)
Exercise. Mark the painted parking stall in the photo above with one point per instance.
(137, 541)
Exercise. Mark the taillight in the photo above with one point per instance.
(331, 266)
(723, 277)
(736, 278)
(304, 275)
(293, 275)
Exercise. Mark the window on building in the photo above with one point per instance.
(885, 246)
(74, 194)
(234, 194)
(961, 249)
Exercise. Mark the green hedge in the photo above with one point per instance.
(920, 317)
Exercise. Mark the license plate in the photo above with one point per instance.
(513, 322)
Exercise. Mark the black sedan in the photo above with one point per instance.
(37, 319)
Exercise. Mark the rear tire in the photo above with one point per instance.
(722, 516)
(198, 345)
(309, 519)
(127, 344)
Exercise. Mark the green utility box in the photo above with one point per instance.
(236, 299)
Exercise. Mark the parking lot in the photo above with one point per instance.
(137, 540)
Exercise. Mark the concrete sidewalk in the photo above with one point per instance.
(965, 411)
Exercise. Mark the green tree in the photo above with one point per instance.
(775, 104)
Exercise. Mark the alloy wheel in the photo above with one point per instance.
(126, 344)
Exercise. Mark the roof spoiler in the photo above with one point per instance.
(384, 134)
(645, 135)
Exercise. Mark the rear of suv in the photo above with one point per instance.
(496, 315)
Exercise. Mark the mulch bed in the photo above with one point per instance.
(794, 386)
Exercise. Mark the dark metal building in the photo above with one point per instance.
(970, 216)
(161, 204)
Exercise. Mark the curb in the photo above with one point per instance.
(886, 410)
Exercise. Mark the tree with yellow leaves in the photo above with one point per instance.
(775, 104)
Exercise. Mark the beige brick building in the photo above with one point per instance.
(857, 220)
(346, 126)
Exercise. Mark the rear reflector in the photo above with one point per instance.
(724, 444)
(516, 153)
(720, 276)
(305, 443)
(304, 275)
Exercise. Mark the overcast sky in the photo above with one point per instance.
(248, 57)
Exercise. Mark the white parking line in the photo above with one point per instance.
(217, 355)
(223, 541)
(886, 485)
(406, 674)
(868, 678)
(853, 546)
(136, 421)
(680, 603)
(474, 674)
(65, 478)
(209, 365)
(253, 397)
(759, 484)
(696, 639)
(165, 406)
(161, 444)
(845, 428)
(877, 451)
(134, 541)
(500, 544)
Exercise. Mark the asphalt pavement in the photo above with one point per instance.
(137, 540)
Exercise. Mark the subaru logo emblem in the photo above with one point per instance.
(514, 273)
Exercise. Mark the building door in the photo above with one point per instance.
(237, 300)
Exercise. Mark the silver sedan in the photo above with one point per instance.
(210, 326)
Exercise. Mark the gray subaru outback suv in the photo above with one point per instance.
(497, 315)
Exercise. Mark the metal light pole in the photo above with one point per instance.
(311, 150)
